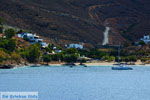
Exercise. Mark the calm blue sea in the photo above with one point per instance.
(78, 83)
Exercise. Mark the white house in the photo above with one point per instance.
(58, 51)
(33, 38)
(146, 39)
(28, 35)
(38, 40)
(77, 46)
(43, 44)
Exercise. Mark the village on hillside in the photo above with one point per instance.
(33, 38)
(18, 47)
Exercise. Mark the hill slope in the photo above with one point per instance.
(66, 21)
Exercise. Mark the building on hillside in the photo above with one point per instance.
(146, 39)
(33, 38)
(29, 36)
(38, 40)
(54, 48)
(43, 44)
(58, 51)
(77, 46)
(21, 35)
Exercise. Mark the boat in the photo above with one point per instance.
(120, 66)
(70, 64)
(35, 65)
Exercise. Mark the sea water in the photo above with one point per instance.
(78, 83)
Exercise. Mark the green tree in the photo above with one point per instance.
(33, 53)
(9, 33)
(1, 29)
(82, 60)
(50, 46)
(24, 53)
(144, 59)
(131, 58)
(16, 57)
(109, 58)
(57, 57)
(95, 53)
(1, 25)
(11, 46)
(8, 44)
(1, 21)
(46, 58)
(71, 58)
(47, 49)
(71, 51)
(20, 31)
(3, 56)
(141, 43)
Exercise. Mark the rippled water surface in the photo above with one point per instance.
(79, 83)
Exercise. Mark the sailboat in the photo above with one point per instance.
(120, 66)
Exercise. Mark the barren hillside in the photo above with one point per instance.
(63, 21)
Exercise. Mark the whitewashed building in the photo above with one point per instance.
(146, 39)
(28, 35)
(44, 44)
(77, 46)
(33, 38)
(58, 51)
(38, 40)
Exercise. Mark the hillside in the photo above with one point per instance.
(63, 21)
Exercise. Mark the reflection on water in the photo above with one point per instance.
(79, 83)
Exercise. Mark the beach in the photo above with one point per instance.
(75, 64)
(101, 64)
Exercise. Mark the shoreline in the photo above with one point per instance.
(75, 64)
(103, 64)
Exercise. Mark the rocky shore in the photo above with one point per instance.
(6, 66)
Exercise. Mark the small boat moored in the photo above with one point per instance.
(121, 67)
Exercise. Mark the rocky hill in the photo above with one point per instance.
(64, 21)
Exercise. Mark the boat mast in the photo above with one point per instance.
(119, 54)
